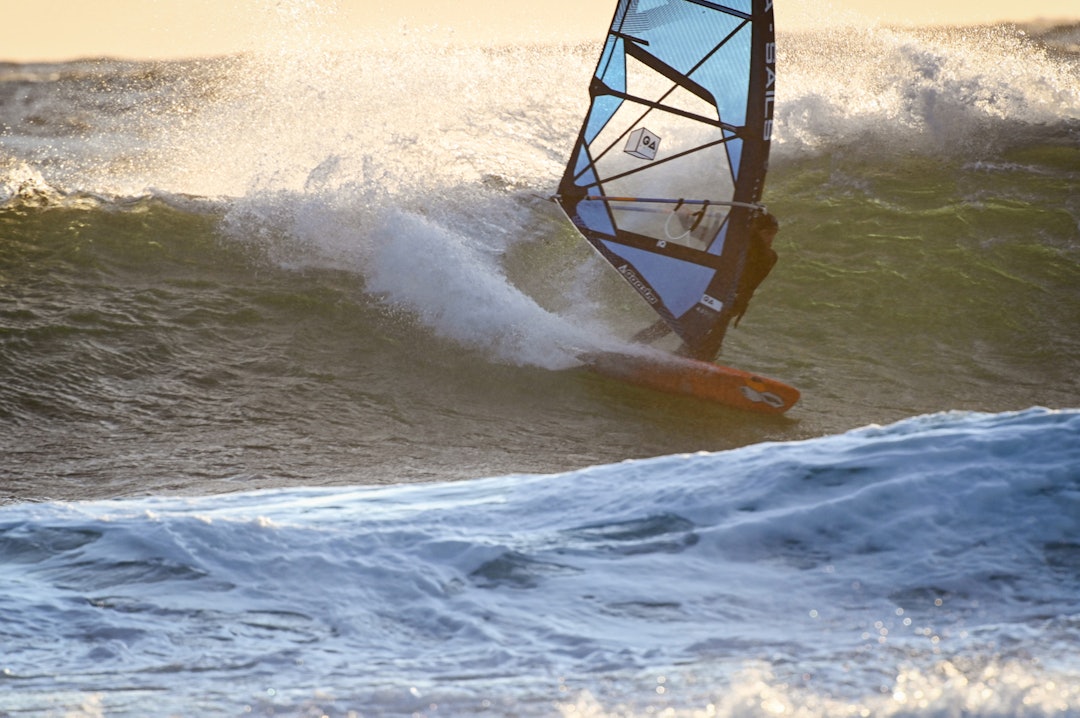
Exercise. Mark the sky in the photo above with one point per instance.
(168, 29)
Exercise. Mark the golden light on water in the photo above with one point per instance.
(195, 28)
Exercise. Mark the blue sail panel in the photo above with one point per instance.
(678, 285)
(595, 218)
(670, 161)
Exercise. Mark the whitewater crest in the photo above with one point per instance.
(268, 320)
(967, 90)
(23, 185)
(807, 573)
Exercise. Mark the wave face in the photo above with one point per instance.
(265, 320)
(930, 567)
(308, 267)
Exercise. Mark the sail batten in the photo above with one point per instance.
(670, 159)
(659, 105)
(680, 107)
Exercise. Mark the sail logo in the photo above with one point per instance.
(635, 282)
(642, 144)
(770, 89)
(712, 303)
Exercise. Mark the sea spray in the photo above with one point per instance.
(297, 247)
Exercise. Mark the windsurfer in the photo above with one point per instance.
(760, 259)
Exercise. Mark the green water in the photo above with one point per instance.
(394, 304)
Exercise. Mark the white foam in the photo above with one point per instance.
(916, 90)
(883, 572)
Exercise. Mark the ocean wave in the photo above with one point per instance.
(285, 270)
(907, 548)
(968, 91)
(510, 113)
(295, 221)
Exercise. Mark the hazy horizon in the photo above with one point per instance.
(171, 29)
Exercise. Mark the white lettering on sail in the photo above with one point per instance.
(770, 83)
(637, 284)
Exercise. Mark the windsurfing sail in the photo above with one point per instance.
(670, 163)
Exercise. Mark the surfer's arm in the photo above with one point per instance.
(741, 305)
(754, 276)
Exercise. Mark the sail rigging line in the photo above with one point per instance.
(698, 216)
(662, 200)
(656, 105)
(721, 8)
(669, 158)
(631, 38)
(671, 74)
(672, 250)
(680, 79)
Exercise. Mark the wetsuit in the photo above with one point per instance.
(760, 260)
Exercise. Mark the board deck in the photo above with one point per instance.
(703, 380)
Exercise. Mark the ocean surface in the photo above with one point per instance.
(291, 421)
